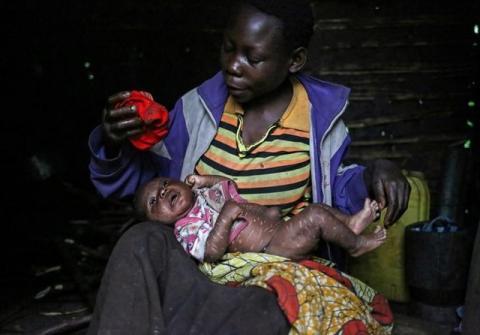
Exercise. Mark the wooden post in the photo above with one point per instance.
(471, 321)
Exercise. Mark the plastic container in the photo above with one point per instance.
(384, 268)
(437, 261)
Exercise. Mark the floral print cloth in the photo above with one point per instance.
(315, 297)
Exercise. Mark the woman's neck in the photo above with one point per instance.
(262, 113)
(272, 105)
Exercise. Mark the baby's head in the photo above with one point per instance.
(265, 41)
(164, 200)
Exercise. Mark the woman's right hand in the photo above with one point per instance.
(119, 123)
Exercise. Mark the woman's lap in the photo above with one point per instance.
(151, 286)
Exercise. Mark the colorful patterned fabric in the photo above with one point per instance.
(192, 230)
(274, 171)
(315, 297)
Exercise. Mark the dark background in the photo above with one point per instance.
(412, 67)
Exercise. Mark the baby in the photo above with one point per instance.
(210, 218)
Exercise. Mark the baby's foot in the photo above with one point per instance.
(370, 241)
(358, 222)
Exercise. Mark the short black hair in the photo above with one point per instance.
(296, 17)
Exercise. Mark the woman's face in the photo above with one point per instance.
(254, 57)
(166, 200)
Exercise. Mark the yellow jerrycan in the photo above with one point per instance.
(384, 268)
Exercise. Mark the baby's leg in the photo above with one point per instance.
(369, 242)
(359, 221)
(299, 236)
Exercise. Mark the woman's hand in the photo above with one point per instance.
(389, 187)
(119, 123)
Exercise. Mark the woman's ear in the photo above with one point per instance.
(298, 60)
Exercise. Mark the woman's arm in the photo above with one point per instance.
(119, 176)
(118, 170)
(380, 180)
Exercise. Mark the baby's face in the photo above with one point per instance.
(166, 200)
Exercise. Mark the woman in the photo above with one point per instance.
(259, 121)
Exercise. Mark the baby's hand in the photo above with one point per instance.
(192, 181)
(196, 181)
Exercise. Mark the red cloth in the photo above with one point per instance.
(154, 115)
(354, 327)
(329, 271)
(286, 296)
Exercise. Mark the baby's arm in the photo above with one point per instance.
(196, 181)
(218, 240)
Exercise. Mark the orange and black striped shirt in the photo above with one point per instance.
(275, 171)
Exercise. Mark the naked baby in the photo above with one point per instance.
(210, 218)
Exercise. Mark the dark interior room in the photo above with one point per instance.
(413, 70)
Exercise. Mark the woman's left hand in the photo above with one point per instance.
(389, 187)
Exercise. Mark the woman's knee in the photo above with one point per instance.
(141, 235)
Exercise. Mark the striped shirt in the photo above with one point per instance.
(274, 171)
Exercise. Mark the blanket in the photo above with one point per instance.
(315, 297)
